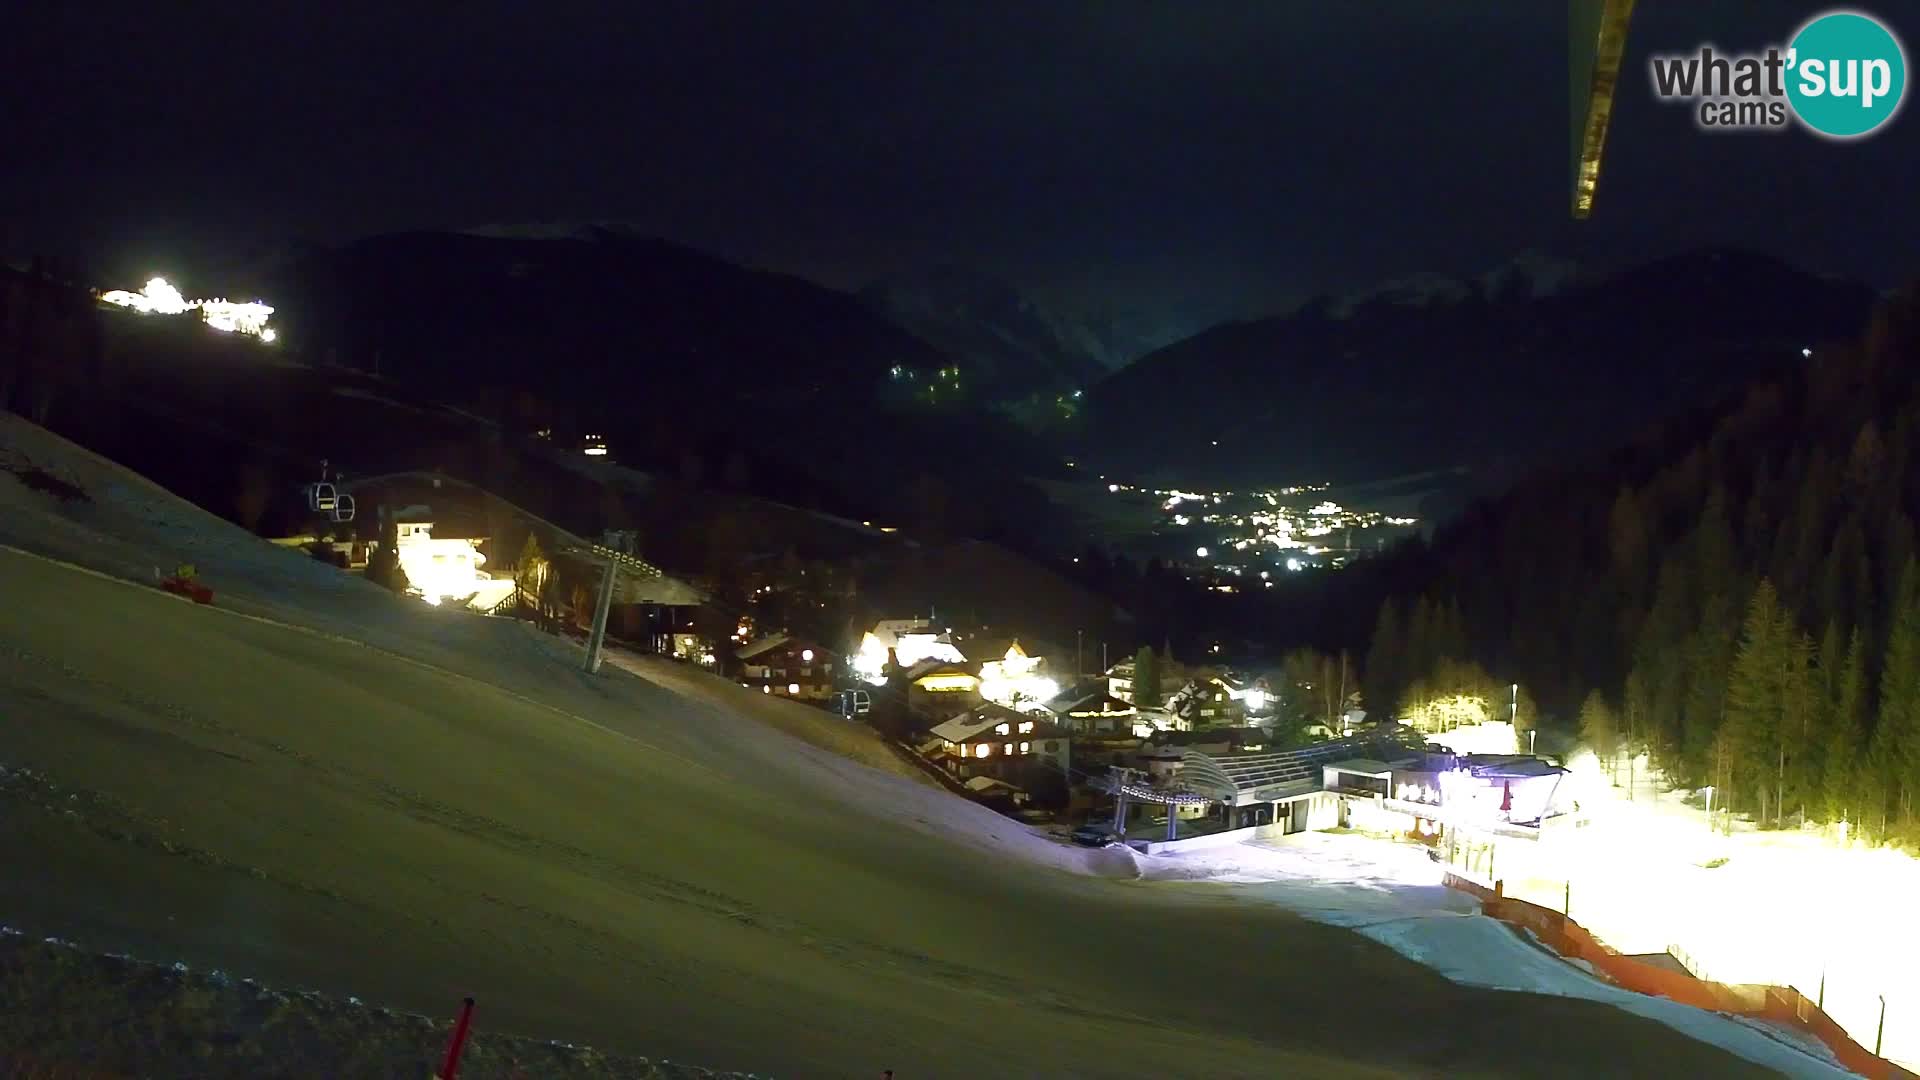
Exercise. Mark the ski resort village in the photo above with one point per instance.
(376, 705)
(929, 541)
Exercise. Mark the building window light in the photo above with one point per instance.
(983, 750)
(1026, 727)
(1026, 747)
(1001, 730)
(1008, 749)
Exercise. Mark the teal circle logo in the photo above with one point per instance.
(1847, 74)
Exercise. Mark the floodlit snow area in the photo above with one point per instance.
(1784, 907)
(1342, 879)
(1393, 894)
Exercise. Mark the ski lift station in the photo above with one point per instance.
(1386, 781)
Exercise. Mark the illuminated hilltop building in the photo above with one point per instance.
(160, 298)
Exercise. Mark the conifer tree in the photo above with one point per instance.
(1386, 657)
(1802, 716)
(1598, 727)
(1755, 696)
(1897, 734)
(1845, 743)
(1147, 692)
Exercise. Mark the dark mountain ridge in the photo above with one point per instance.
(611, 312)
(1476, 377)
(1000, 337)
(681, 361)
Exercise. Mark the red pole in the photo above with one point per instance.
(459, 1041)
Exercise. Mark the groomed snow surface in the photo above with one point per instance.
(1393, 894)
(321, 784)
(1790, 907)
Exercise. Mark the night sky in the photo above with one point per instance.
(1193, 159)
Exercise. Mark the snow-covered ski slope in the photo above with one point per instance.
(648, 860)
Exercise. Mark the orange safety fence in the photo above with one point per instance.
(1780, 1004)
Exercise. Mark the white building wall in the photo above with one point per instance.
(1323, 812)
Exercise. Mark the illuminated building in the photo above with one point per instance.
(1095, 712)
(158, 297)
(991, 740)
(1015, 680)
(911, 641)
(446, 568)
(787, 666)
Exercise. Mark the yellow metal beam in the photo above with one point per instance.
(1599, 40)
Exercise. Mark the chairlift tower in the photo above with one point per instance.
(614, 561)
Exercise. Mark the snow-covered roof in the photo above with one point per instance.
(890, 631)
(1069, 703)
(967, 725)
(1179, 698)
(772, 641)
(1364, 766)
(1510, 767)
(977, 722)
(1275, 774)
(982, 784)
(931, 665)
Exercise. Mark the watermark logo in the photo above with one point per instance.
(1841, 76)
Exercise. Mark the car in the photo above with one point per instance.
(1095, 836)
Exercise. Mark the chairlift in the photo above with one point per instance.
(336, 506)
(852, 703)
(321, 498)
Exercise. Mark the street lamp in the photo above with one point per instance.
(1513, 716)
